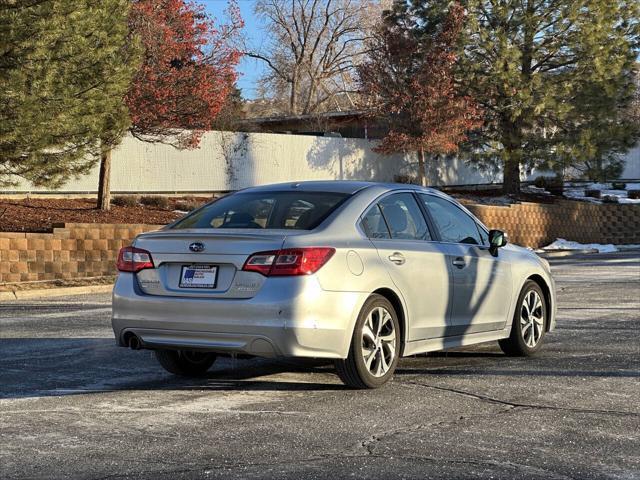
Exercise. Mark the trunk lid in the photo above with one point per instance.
(224, 249)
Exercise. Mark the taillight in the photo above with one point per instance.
(290, 261)
(131, 259)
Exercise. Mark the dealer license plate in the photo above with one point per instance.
(199, 276)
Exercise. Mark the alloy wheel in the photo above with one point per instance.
(531, 318)
(378, 341)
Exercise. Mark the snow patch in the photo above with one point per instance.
(562, 244)
(606, 190)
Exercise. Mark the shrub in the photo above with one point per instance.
(405, 179)
(592, 192)
(540, 182)
(554, 185)
(188, 204)
(126, 200)
(610, 199)
(635, 194)
(155, 201)
(618, 185)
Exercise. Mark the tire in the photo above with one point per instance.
(520, 342)
(185, 363)
(379, 343)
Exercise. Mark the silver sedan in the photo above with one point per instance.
(362, 273)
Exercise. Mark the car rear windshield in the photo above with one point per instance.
(265, 210)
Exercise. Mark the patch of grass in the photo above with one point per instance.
(125, 200)
(155, 201)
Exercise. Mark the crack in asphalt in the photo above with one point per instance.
(514, 405)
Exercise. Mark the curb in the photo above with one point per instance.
(566, 253)
(584, 251)
(54, 292)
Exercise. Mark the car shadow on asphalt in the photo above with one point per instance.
(37, 367)
(41, 367)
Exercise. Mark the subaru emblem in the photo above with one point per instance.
(196, 247)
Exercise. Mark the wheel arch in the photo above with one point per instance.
(546, 291)
(395, 300)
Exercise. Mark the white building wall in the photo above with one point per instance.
(229, 161)
(632, 164)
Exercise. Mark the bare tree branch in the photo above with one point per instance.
(313, 50)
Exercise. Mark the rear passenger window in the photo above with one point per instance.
(404, 218)
(374, 225)
(452, 222)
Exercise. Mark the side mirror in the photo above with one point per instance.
(497, 239)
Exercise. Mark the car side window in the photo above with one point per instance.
(404, 218)
(374, 225)
(452, 222)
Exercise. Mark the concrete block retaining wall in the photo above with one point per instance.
(79, 250)
(74, 251)
(535, 225)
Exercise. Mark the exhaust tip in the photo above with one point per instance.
(134, 342)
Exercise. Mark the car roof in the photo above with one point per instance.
(337, 186)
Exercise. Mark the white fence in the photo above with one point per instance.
(229, 161)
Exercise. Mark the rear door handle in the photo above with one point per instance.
(397, 258)
(459, 262)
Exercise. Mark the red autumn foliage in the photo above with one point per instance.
(409, 82)
(188, 70)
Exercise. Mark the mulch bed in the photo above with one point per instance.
(40, 214)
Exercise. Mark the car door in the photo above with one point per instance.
(480, 280)
(398, 230)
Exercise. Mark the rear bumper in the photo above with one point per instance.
(290, 316)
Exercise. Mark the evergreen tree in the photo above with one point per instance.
(65, 67)
(554, 78)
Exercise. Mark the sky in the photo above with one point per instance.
(249, 69)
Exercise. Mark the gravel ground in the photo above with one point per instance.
(72, 405)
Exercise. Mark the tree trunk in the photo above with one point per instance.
(104, 185)
(511, 174)
(422, 171)
(513, 155)
(293, 97)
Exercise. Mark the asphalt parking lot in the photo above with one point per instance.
(73, 405)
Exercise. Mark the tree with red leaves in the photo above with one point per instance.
(408, 83)
(188, 70)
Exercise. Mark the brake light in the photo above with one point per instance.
(290, 261)
(131, 259)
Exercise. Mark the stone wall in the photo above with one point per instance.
(78, 250)
(73, 251)
(535, 225)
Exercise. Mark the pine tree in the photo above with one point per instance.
(554, 78)
(65, 67)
